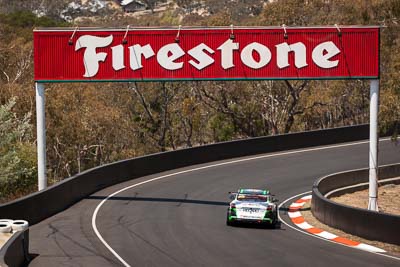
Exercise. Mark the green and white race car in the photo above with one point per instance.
(252, 206)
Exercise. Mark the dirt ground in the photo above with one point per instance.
(388, 201)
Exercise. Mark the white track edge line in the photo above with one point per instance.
(94, 226)
(327, 240)
(102, 239)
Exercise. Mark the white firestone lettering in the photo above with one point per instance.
(118, 57)
(248, 59)
(136, 51)
(299, 50)
(203, 59)
(227, 49)
(91, 59)
(167, 55)
(321, 59)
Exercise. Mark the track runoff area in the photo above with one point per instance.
(222, 53)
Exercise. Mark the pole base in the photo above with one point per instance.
(373, 204)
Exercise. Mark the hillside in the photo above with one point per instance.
(81, 10)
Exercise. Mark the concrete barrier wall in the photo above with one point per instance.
(15, 253)
(41, 205)
(361, 222)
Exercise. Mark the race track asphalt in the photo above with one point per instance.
(180, 220)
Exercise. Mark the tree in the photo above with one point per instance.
(235, 102)
(18, 158)
(190, 117)
(154, 115)
(87, 126)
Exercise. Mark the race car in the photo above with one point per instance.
(252, 206)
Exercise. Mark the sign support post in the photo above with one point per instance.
(373, 145)
(41, 135)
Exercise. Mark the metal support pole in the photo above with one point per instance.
(373, 145)
(41, 135)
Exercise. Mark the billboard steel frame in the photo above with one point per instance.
(374, 100)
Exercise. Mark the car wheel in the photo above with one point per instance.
(228, 222)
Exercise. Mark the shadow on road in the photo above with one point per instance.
(286, 209)
(165, 200)
(259, 226)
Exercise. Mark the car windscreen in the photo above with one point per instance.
(252, 198)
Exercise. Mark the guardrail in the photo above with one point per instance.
(360, 222)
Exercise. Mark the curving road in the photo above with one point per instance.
(179, 220)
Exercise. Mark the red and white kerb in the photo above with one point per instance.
(297, 218)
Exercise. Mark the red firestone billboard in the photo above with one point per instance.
(163, 54)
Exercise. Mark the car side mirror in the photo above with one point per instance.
(275, 200)
(232, 196)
